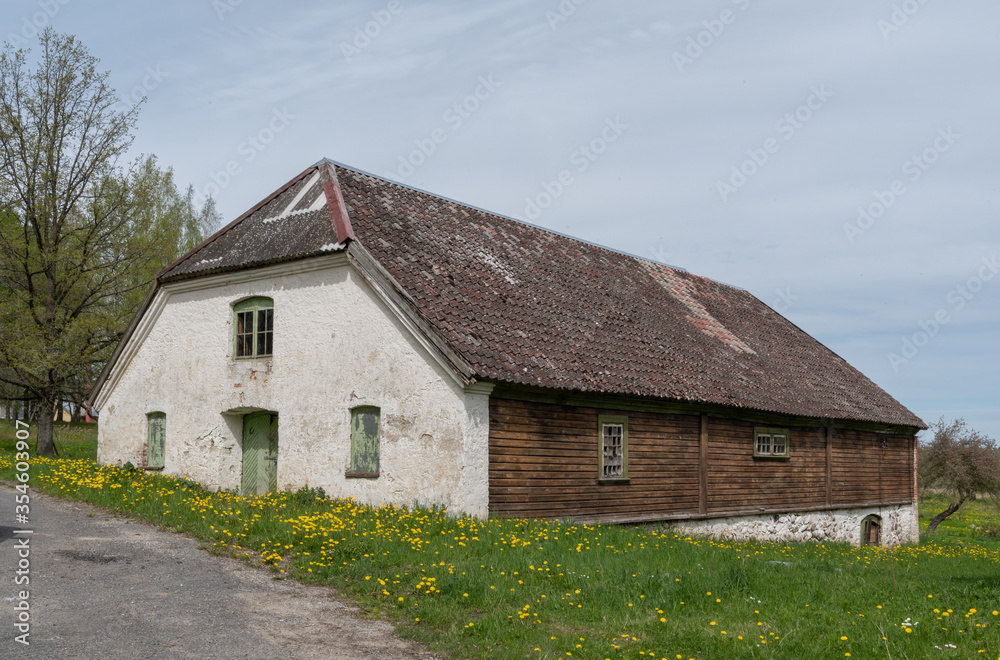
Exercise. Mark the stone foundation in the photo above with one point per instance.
(899, 525)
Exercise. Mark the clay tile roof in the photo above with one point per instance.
(524, 305)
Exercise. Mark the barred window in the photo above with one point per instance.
(613, 447)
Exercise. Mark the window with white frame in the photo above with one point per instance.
(771, 443)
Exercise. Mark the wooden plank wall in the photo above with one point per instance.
(543, 463)
(867, 465)
(739, 482)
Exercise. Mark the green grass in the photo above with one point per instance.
(978, 519)
(72, 439)
(543, 589)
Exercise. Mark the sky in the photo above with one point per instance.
(836, 160)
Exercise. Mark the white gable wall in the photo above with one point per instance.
(336, 346)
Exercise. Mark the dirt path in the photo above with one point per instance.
(107, 587)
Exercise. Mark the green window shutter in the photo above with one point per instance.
(365, 441)
(253, 328)
(156, 439)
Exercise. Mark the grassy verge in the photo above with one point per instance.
(543, 589)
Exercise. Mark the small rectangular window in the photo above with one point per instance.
(613, 448)
(156, 439)
(364, 442)
(771, 443)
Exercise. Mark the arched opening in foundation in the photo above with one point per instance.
(871, 530)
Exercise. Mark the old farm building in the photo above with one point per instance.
(383, 343)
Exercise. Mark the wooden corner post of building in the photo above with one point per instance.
(829, 463)
(703, 466)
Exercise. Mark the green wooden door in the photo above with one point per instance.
(260, 453)
(271, 459)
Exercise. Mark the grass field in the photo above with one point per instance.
(544, 589)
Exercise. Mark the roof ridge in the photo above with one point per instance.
(339, 215)
(357, 170)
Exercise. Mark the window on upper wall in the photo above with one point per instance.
(156, 439)
(364, 442)
(254, 328)
(771, 443)
(613, 448)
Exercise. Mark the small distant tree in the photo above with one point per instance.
(960, 462)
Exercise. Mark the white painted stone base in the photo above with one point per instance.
(899, 525)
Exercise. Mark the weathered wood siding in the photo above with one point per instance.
(739, 482)
(872, 466)
(543, 463)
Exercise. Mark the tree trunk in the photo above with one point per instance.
(936, 520)
(45, 445)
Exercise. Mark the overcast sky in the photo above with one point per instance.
(837, 160)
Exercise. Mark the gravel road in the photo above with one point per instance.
(103, 586)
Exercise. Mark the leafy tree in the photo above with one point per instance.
(81, 232)
(960, 462)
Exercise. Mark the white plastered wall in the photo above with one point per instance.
(337, 345)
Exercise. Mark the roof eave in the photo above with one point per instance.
(403, 305)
